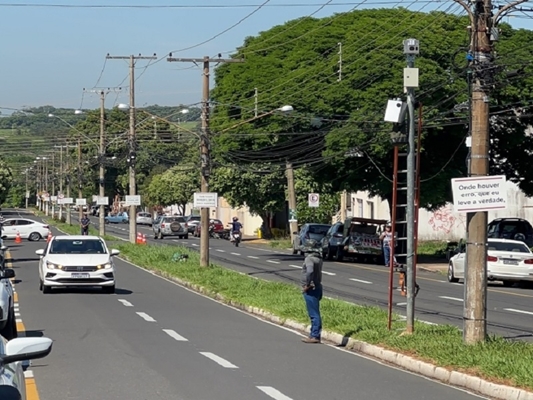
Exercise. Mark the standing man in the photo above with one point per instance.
(312, 288)
(85, 222)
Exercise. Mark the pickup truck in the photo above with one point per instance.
(361, 240)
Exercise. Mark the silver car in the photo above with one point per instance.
(144, 218)
(170, 226)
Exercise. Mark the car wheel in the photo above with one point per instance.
(108, 289)
(47, 289)
(106, 221)
(124, 221)
(294, 251)
(10, 329)
(186, 237)
(40, 285)
(329, 254)
(451, 276)
(34, 237)
(340, 255)
(508, 283)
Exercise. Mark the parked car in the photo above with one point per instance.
(333, 239)
(144, 218)
(361, 240)
(308, 231)
(13, 353)
(219, 227)
(121, 217)
(511, 228)
(27, 228)
(170, 226)
(8, 322)
(76, 261)
(508, 261)
(191, 222)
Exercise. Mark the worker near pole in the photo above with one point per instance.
(312, 288)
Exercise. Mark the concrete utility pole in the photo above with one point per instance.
(80, 186)
(47, 204)
(205, 146)
(26, 193)
(293, 222)
(60, 181)
(132, 139)
(53, 185)
(411, 49)
(483, 33)
(68, 219)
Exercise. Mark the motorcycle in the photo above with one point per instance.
(212, 233)
(236, 238)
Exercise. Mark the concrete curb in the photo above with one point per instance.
(453, 378)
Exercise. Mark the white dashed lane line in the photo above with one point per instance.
(329, 273)
(175, 335)
(273, 393)
(272, 261)
(146, 317)
(219, 360)
(518, 311)
(450, 298)
(254, 257)
(221, 251)
(125, 302)
(295, 266)
(235, 254)
(361, 281)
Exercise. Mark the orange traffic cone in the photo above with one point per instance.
(17, 238)
(49, 236)
(139, 238)
(144, 239)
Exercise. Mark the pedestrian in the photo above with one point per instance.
(386, 237)
(85, 222)
(312, 288)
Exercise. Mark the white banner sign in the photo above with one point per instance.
(314, 200)
(102, 201)
(486, 193)
(53, 198)
(81, 202)
(95, 198)
(205, 200)
(66, 200)
(133, 200)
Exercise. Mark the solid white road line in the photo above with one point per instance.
(146, 317)
(221, 251)
(175, 335)
(295, 266)
(235, 254)
(450, 298)
(125, 302)
(274, 393)
(219, 360)
(255, 258)
(273, 262)
(329, 273)
(518, 311)
(361, 281)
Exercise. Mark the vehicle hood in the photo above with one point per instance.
(78, 259)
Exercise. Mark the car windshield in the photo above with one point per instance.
(513, 247)
(86, 246)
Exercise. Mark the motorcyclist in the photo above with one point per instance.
(236, 227)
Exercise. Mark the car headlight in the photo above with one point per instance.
(50, 265)
(105, 266)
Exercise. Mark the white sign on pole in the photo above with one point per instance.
(66, 200)
(53, 198)
(27, 194)
(81, 202)
(486, 193)
(205, 200)
(60, 196)
(102, 201)
(46, 197)
(314, 200)
(133, 200)
(95, 198)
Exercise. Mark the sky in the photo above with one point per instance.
(52, 49)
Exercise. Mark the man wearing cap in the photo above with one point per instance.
(312, 288)
(85, 222)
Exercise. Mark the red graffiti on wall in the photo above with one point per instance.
(443, 220)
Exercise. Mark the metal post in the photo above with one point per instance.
(132, 158)
(101, 155)
(393, 230)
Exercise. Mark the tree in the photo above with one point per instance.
(6, 180)
(297, 63)
(174, 186)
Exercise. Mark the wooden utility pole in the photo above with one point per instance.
(205, 146)
(132, 139)
(293, 217)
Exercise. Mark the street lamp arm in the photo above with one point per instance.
(282, 109)
(73, 127)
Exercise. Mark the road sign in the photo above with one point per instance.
(66, 200)
(292, 215)
(27, 194)
(95, 198)
(486, 193)
(102, 201)
(60, 196)
(205, 200)
(314, 199)
(53, 198)
(81, 202)
(133, 200)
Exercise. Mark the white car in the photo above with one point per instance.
(8, 322)
(144, 218)
(76, 261)
(26, 228)
(12, 355)
(509, 261)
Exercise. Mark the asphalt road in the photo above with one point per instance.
(154, 339)
(510, 310)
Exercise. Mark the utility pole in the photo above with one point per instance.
(60, 181)
(132, 140)
(293, 217)
(26, 193)
(411, 49)
(68, 219)
(483, 33)
(205, 146)
(80, 186)
(47, 204)
(53, 184)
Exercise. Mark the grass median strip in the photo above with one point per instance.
(498, 360)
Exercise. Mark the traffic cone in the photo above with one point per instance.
(144, 238)
(49, 236)
(139, 238)
(17, 238)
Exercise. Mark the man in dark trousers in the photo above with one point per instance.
(85, 222)
(312, 288)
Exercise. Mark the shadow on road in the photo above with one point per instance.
(87, 290)
(35, 333)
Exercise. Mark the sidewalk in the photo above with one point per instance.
(440, 267)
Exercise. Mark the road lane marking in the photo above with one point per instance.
(361, 281)
(329, 273)
(175, 335)
(518, 311)
(16, 297)
(236, 254)
(272, 262)
(295, 266)
(401, 304)
(194, 244)
(31, 388)
(221, 251)
(146, 317)
(219, 360)
(28, 374)
(274, 393)
(254, 257)
(125, 302)
(451, 298)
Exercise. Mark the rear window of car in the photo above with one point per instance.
(319, 229)
(193, 218)
(144, 215)
(175, 219)
(513, 247)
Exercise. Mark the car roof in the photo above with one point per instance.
(77, 237)
(506, 241)
(508, 219)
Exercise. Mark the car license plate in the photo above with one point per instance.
(77, 275)
(510, 262)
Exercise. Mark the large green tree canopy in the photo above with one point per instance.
(298, 64)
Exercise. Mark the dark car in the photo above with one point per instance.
(511, 228)
(332, 240)
(219, 227)
(309, 231)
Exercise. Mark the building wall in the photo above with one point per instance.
(360, 204)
